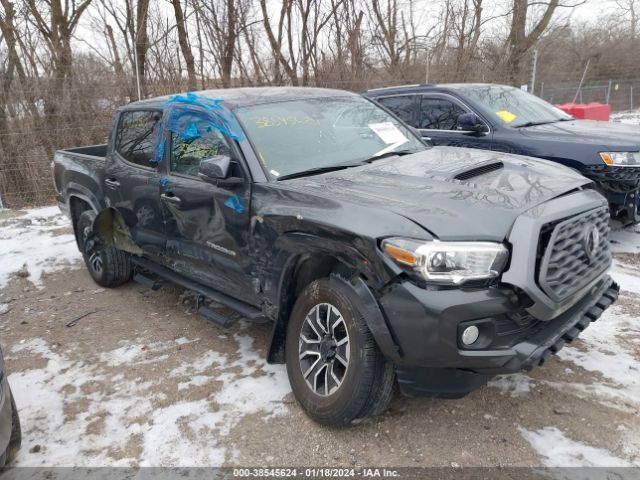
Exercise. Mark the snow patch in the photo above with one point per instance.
(631, 117)
(625, 240)
(124, 421)
(34, 240)
(607, 351)
(516, 384)
(557, 450)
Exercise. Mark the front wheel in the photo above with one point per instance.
(335, 368)
(108, 266)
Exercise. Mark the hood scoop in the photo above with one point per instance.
(478, 170)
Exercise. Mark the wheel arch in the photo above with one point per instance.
(78, 204)
(302, 269)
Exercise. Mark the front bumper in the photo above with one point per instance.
(621, 187)
(433, 360)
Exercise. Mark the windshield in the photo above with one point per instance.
(315, 133)
(514, 107)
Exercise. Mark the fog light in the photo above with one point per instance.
(470, 335)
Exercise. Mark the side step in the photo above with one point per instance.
(147, 281)
(248, 311)
(212, 315)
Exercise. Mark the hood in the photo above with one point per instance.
(454, 193)
(608, 134)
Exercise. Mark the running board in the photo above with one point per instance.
(147, 281)
(248, 311)
(212, 315)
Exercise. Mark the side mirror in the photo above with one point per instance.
(214, 168)
(469, 122)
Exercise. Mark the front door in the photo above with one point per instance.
(207, 224)
(438, 123)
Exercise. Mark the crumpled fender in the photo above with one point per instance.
(113, 231)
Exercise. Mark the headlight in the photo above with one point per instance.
(451, 263)
(621, 158)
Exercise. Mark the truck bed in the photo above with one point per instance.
(88, 151)
(79, 172)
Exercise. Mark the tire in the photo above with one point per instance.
(333, 393)
(108, 266)
(16, 432)
(15, 440)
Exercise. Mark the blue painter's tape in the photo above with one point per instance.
(209, 110)
(159, 140)
(183, 111)
(191, 132)
(164, 183)
(159, 156)
(235, 203)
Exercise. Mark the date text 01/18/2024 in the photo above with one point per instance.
(314, 472)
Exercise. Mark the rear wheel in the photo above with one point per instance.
(108, 266)
(335, 368)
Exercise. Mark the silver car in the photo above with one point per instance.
(10, 433)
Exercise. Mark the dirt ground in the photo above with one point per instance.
(142, 380)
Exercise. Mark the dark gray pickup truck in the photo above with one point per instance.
(379, 261)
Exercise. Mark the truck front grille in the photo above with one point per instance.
(573, 253)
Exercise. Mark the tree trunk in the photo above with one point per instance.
(183, 40)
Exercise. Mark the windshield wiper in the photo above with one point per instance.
(388, 154)
(319, 170)
(533, 124)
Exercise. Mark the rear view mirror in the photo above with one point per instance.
(215, 168)
(469, 122)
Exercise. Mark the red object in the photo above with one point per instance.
(587, 111)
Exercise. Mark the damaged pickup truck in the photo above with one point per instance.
(379, 261)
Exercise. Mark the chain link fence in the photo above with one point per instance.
(26, 147)
(620, 94)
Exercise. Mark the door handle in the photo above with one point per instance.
(112, 183)
(170, 198)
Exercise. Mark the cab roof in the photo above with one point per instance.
(429, 87)
(247, 96)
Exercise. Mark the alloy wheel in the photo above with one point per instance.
(324, 349)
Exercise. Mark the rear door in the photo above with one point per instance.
(404, 106)
(438, 123)
(132, 181)
(207, 224)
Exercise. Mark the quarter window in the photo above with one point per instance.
(197, 141)
(439, 114)
(402, 106)
(135, 136)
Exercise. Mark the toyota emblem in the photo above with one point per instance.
(591, 241)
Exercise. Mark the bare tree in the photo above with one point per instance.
(518, 41)
(141, 42)
(185, 47)
(277, 42)
(628, 12)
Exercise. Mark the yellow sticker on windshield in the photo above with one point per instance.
(506, 116)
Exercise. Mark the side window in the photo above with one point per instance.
(439, 114)
(135, 136)
(197, 141)
(402, 106)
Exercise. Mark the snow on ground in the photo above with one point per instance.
(516, 385)
(39, 240)
(557, 450)
(187, 432)
(631, 117)
(626, 240)
(125, 411)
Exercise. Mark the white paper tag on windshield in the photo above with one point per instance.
(388, 132)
